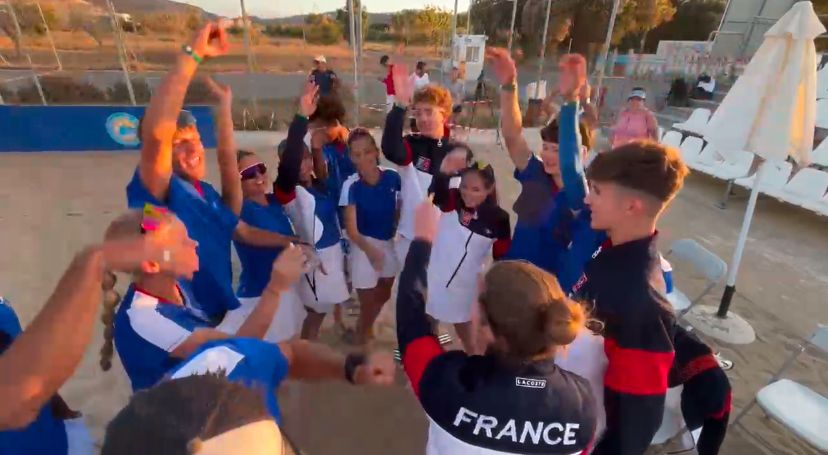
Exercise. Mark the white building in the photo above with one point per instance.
(469, 50)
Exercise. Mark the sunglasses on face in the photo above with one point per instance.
(252, 171)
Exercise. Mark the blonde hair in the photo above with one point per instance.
(526, 307)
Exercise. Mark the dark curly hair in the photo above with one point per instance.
(329, 110)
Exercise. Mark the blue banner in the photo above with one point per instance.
(82, 128)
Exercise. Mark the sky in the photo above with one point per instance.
(281, 8)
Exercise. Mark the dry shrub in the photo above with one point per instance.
(62, 90)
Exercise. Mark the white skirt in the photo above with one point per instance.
(401, 247)
(322, 292)
(286, 324)
(363, 274)
(453, 304)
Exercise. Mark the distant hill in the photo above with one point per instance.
(149, 6)
(373, 18)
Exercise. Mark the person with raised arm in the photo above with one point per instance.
(514, 398)
(629, 188)
(172, 168)
(540, 236)
(419, 155)
(37, 361)
(311, 205)
(160, 322)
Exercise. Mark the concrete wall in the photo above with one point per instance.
(745, 24)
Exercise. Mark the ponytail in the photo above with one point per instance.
(111, 299)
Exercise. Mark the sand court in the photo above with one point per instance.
(51, 204)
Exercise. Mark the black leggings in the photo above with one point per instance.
(705, 404)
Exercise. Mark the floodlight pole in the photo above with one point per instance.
(352, 25)
(512, 28)
(250, 61)
(116, 29)
(605, 50)
(543, 48)
(49, 35)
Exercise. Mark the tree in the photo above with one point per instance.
(344, 19)
(322, 29)
(694, 20)
(435, 23)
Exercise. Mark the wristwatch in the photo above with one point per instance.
(510, 87)
(191, 52)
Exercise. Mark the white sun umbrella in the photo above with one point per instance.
(770, 111)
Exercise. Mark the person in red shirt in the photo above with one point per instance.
(388, 80)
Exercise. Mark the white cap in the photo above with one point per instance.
(638, 93)
(320, 59)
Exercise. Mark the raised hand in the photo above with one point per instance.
(378, 369)
(454, 162)
(210, 40)
(425, 221)
(287, 268)
(309, 99)
(572, 77)
(402, 84)
(222, 92)
(501, 62)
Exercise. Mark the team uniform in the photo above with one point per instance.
(418, 159)
(340, 167)
(209, 222)
(482, 404)
(376, 216)
(255, 363)
(257, 264)
(465, 239)
(147, 329)
(56, 430)
(625, 285)
(313, 211)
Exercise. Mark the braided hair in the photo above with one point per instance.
(111, 299)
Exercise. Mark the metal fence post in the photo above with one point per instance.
(116, 29)
(49, 35)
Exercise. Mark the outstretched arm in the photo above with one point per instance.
(231, 192)
(512, 119)
(394, 147)
(253, 236)
(311, 361)
(290, 162)
(572, 80)
(417, 343)
(159, 123)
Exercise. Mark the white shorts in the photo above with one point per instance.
(401, 246)
(78, 439)
(389, 102)
(322, 292)
(286, 324)
(363, 275)
(452, 305)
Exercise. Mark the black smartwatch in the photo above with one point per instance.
(352, 361)
(510, 87)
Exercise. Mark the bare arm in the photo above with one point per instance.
(313, 360)
(320, 165)
(512, 119)
(652, 126)
(231, 192)
(43, 357)
(352, 230)
(254, 236)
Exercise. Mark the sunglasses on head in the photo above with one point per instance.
(252, 171)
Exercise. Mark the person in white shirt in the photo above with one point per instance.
(419, 78)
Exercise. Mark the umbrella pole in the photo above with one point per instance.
(733, 270)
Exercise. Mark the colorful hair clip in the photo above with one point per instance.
(153, 216)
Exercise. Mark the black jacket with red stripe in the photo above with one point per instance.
(476, 402)
(425, 153)
(705, 383)
(623, 284)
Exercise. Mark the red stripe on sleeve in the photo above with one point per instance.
(283, 197)
(409, 154)
(635, 371)
(728, 406)
(501, 247)
(418, 354)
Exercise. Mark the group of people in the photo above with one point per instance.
(569, 343)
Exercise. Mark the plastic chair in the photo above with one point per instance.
(820, 154)
(797, 407)
(820, 206)
(704, 262)
(776, 176)
(706, 161)
(822, 113)
(806, 186)
(691, 148)
(660, 133)
(672, 139)
(736, 165)
(696, 123)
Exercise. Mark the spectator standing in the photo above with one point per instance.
(325, 78)
(419, 78)
(388, 80)
(635, 122)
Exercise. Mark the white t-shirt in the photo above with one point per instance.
(419, 81)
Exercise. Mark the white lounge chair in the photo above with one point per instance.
(820, 206)
(822, 113)
(708, 159)
(776, 176)
(704, 263)
(800, 409)
(660, 133)
(691, 148)
(806, 186)
(696, 123)
(672, 139)
(820, 154)
(737, 165)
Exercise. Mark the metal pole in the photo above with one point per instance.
(35, 77)
(543, 49)
(453, 34)
(360, 40)
(49, 35)
(468, 19)
(512, 28)
(352, 25)
(733, 269)
(605, 50)
(250, 60)
(116, 28)
(724, 16)
(746, 39)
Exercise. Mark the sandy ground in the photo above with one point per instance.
(51, 204)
